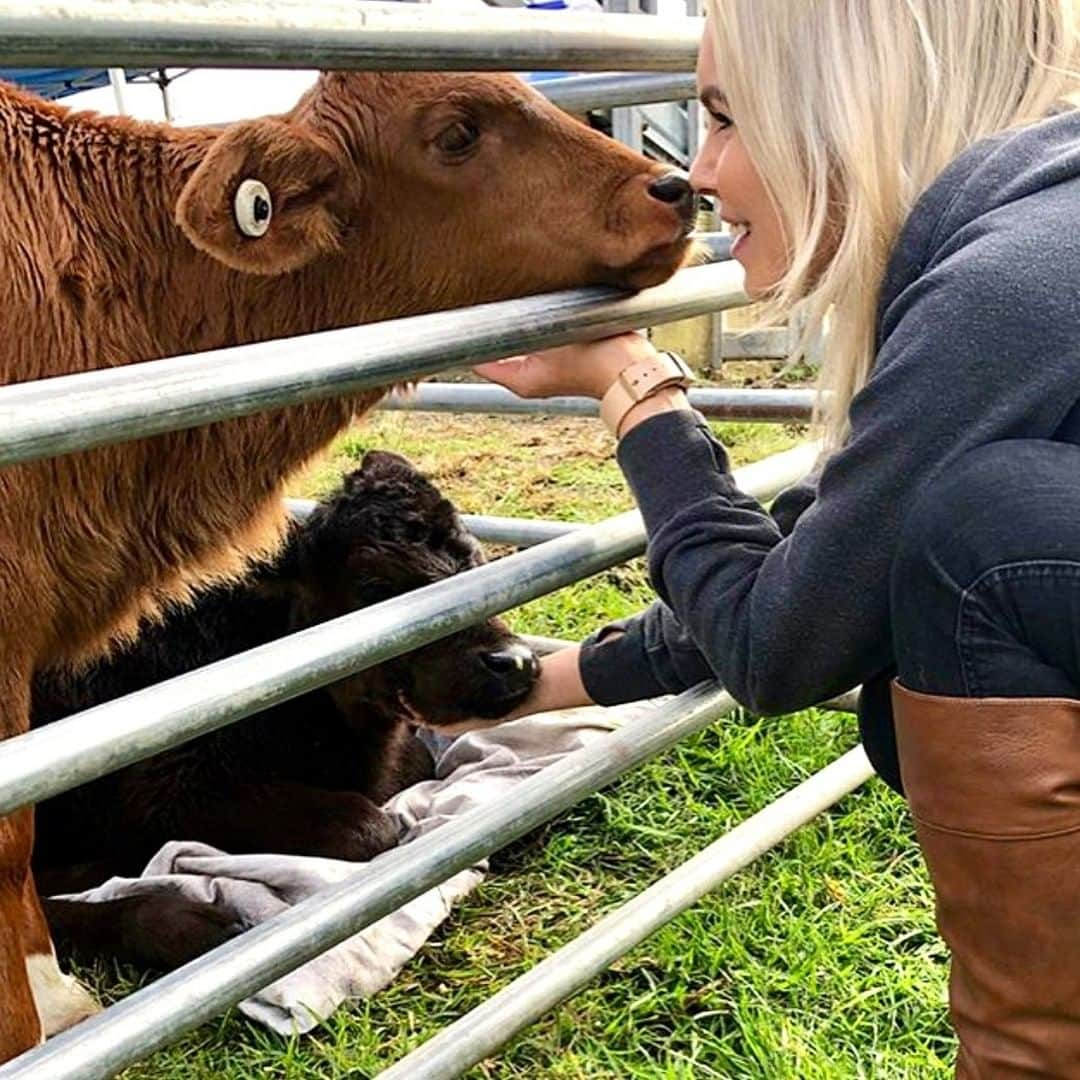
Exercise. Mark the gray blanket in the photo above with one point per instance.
(470, 769)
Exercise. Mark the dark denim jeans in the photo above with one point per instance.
(985, 586)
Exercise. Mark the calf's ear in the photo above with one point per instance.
(261, 200)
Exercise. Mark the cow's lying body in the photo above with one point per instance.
(385, 195)
(306, 777)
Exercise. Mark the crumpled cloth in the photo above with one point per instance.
(470, 769)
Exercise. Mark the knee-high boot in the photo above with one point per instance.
(994, 785)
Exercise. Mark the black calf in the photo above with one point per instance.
(304, 777)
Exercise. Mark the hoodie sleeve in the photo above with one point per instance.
(651, 653)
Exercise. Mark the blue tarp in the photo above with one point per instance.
(56, 82)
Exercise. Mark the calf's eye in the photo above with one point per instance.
(458, 139)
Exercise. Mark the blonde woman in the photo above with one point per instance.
(909, 168)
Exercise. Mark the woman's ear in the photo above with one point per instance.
(260, 201)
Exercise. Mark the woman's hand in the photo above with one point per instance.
(586, 369)
(558, 687)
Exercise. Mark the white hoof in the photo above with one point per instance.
(61, 999)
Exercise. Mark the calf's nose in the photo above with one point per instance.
(514, 664)
(674, 189)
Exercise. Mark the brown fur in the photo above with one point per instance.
(117, 244)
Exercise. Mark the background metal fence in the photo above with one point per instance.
(763, 406)
(74, 412)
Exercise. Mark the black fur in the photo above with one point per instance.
(306, 776)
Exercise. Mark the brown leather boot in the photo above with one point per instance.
(994, 785)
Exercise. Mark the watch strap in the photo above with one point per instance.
(641, 380)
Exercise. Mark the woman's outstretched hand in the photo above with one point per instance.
(586, 369)
(559, 685)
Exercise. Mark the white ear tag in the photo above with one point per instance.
(253, 207)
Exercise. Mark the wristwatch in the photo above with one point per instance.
(640, 380)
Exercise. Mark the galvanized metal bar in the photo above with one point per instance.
(77, 749)
(580, 93)
(300, 508)
(485, 1029)
(543, 646)
(694, 111)
(764, 406)
(758, 478)
(527, 532)
(627, 127)
(716, 245)
(73, 412)
(116, 80)
(71, 751)
(337, 34)
(519, 532)
(153, 1017)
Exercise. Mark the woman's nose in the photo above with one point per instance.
(703, 173)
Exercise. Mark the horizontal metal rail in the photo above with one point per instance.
(72, 751)
(527, 532)
(485, 1029)
(764, 406)
(94, 408)
(715, 245)
(580, 93)
(543, 646)
(518, 532)
(199, 991)
(340, 35)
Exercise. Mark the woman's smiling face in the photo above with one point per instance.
(724, 170)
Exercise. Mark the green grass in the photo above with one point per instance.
(819, 961)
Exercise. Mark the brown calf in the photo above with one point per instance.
(384, 195)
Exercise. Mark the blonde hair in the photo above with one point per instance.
(850, 109)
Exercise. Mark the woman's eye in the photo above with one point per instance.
(721, 120)
(457, 138)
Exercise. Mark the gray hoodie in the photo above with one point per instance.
(978, 341)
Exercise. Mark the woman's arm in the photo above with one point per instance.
(982, 346)
(559, 685)
(979, 342)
